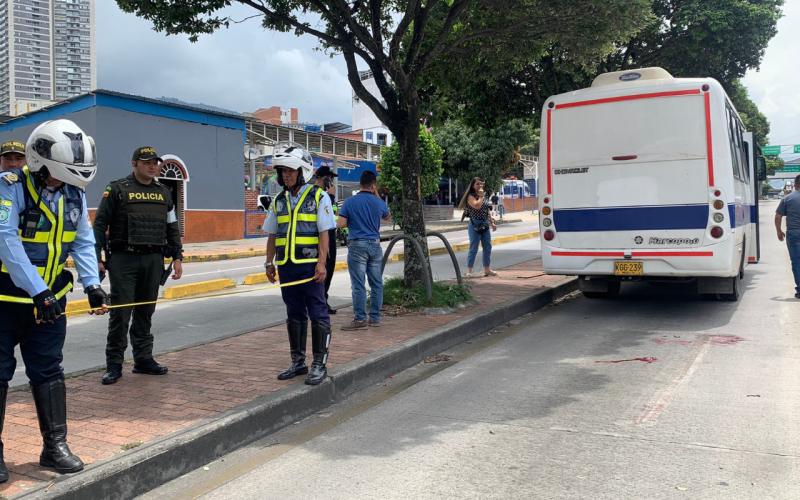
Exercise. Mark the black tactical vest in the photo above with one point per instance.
(141, 218)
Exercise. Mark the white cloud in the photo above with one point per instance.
(775, 87)
(242, 68)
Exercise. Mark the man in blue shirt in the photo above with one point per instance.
(362, 214)
(789, 207)
(43, 220)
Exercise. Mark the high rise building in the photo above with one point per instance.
(47, 52)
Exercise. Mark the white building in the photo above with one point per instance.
(47, 52)
(372, 130)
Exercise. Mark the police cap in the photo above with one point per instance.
(146, 153)
(12, 147)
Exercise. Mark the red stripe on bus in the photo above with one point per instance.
(628, 98)
(587, 254)
(634, 254)
(672, 254)
(549, 134)
(710, 151)
(752, 259)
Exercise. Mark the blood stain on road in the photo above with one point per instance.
(646, 360)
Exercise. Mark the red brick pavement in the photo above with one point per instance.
(210, 379)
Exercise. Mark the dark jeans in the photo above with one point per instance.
(365, 258)
(793, 244)
(303, 301)
(41, 345)
(134, 278)
(330, 264)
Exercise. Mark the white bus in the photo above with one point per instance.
(648, 178)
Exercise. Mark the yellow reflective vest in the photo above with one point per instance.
(297, 238)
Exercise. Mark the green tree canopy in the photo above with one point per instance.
(721, 39)
(487, 153)
(404, 43)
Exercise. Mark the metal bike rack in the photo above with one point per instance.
(450, 251)
(420, 254)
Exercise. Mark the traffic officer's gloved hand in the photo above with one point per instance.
(47, 308)
(97, 297)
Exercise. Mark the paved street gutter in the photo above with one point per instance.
(130, 474)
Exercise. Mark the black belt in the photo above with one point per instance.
(137, 249)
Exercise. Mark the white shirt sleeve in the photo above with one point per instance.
(325, 220)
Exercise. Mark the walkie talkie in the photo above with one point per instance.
(30, 221)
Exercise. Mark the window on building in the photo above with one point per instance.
(382, 139)
(369, 136)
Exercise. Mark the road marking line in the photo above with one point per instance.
(662, 399)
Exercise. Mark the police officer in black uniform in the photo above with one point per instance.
(139, 215)
(44, 220)
(324, 181)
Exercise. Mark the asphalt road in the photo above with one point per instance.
(660, 394)
(181, 324)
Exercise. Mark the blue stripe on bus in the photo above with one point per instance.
(746, 215)
(632, 218)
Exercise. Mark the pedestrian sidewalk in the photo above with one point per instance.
(213, 378)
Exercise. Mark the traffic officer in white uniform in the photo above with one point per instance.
(298, 223)
(43, 220)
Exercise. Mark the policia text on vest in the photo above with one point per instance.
(142, 228)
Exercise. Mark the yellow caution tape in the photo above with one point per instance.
(224, 294)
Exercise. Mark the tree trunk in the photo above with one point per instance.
(413, 222)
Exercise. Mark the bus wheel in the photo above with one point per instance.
(734, 296)
(612, 293)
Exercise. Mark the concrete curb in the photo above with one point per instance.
(179, 291)
(133, 473)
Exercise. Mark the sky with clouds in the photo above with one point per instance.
(241, 69)
(245, 67)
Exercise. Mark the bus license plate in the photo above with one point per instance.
(626, 268)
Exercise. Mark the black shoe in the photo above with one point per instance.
(3, 469)
(150, 367)
(51, 408)
(321, 340)
(298, 332)
(112, 374)
(331, 310)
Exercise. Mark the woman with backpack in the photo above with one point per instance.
(480, 226)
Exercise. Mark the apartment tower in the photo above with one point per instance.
(47, 52)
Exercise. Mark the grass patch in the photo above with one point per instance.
(444, 295)
(130, 446)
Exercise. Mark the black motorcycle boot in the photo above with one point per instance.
(298, 333)
(3, 469)
(51, 408)
(320, 340)
(112, 374)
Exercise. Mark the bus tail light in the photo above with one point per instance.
(718, 217)
(546, 211)
(719, 204)
(547, 200)
(717, 232)
(549, 235)
(547, 222)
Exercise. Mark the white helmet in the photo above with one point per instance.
(287, 154)
(64, 150)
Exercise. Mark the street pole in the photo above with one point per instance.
(336, 179)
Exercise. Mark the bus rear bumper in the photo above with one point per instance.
(668, 264)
